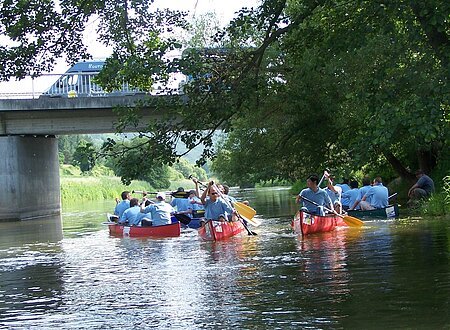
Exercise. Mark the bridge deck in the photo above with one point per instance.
(59, 116)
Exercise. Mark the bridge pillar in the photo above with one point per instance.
(29, 177)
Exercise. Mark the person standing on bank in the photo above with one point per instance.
(422, 189)
(378, 196)
(315, 194)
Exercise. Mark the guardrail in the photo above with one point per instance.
(59, 85)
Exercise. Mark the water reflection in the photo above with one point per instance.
(392, 274)
(30, 268)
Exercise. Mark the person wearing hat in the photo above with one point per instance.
(160, 212)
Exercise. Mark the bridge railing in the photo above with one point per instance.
(59, 85)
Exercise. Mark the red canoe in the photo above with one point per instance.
(171, 230)
(220, 230)
(305, 223)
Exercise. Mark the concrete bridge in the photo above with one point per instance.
(29, 166)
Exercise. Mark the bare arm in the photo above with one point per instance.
(412, 188)
(205, 193)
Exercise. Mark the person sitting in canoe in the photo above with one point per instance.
(198, 210)
(362, 191)
(181, 204)
(351, 195)
(215, 207)
(422, 189)
(121, 206)
(377, 194)
(160, 211)
(334, 192)
(129, 216)
(345, 204)
(315, 194)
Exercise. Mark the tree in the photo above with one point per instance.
(67, 145)
(297, 85)
(84, 156)
(367, 80)
(35, 33)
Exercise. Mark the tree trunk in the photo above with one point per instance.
(427, 161)
(402, 171)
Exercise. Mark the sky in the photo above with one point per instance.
(224, 11)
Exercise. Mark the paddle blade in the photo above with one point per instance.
(182, 218)
(180, 194)
(352, 221)
(244, 210)
(255, 222)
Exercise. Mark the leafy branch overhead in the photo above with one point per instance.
(297, 86)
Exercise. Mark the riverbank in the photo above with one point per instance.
(101, 185)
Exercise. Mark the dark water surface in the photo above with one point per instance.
(386, 275)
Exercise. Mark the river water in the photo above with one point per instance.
(386, 275)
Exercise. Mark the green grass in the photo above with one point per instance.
(102, 184)
(74, 188)
(439, 203)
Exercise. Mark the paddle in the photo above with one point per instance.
(176, 194)
(323, 177)
(250, 233)
(350, 221)
(247, 212)
(393, 195)
(183, 218)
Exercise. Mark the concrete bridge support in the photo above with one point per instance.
(29, 177)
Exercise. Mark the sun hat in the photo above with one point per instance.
(161, 195)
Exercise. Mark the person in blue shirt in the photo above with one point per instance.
(315, 194)
(182, 205)
(345, 187)
(334, 192)
(198, 210)
(215, 207)
(122, 205)
(160, 212)
(378, 195)
(144, 219)
(351, 195)
(362, 191)
(422, 189)
(130, 215)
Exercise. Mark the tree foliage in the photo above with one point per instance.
(84, 156)
(296, 85)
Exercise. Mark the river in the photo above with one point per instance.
(386, 275)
